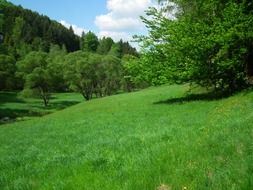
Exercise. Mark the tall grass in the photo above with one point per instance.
(134, 141)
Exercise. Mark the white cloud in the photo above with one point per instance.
(123, 18)
(132, 8)
(116, 36)
(108, 22)
(77, 30)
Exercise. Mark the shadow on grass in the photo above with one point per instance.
(63, 104)
(8, 115)
(14, 113)
(211, 96)
(9, 97)
(59, 105)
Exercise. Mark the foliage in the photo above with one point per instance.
(79, 72)
(205, 43)
(105, 45)
(132, 73)
(126, 49)
(56, 58)
(115, 50)
(35, 73)
(89, 42)
(112, 68)
(122, 48)
(7, 71)
(25, 26)
(36, 54)
(90, 73)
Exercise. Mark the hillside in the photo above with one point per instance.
(152, 139)
(25, 30)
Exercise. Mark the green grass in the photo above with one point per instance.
(135, 141)
(15, 108)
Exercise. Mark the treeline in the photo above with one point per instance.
(25, 30)
(89, 73)
(209, 43)
(40, 56)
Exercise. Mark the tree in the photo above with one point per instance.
(7, 72)
(56, 58)
(25, 26)
(18, 30)
(115, 50)
(79, 72)
(132, 73)
(89, 42)
(204, 43)
(105, 45)
(35, 72)
(126, 49)
(16, 38)
(112, 68)
(2, 47)
(1, 20)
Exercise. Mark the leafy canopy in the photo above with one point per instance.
(205, 42)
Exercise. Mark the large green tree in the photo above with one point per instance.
(208, 43)
(79, 72)
(35, 73)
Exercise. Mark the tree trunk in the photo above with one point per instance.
(45, 100)
(85, 95)
(44, 96)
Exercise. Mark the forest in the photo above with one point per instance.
(40, 56)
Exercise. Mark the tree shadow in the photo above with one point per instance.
(210, 96)
(249, 90)
(10, 97)
(8, 115)
(58, 105)
(63, 104)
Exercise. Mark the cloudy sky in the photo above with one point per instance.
(118, 19)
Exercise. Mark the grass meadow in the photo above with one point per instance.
(14, 107)
(156, 139)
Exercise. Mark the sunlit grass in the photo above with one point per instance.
(142, 140)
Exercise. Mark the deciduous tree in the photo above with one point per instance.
(35, 72)
(208, 43)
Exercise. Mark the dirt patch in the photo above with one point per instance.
(163, 187)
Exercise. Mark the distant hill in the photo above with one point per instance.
(24, 32)
(25, 28)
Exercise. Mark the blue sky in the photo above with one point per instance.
(115, 18)
(79, 12)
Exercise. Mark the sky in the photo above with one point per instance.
(118, 19)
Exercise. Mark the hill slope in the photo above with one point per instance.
(26, 30)
(134, 141)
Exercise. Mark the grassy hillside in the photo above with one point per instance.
(152, 139)
(16, 108)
